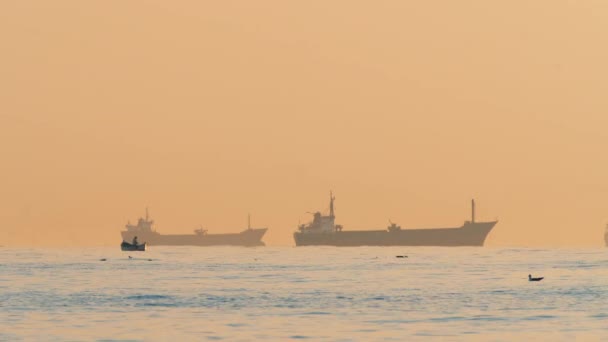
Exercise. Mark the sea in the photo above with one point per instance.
(303, 293)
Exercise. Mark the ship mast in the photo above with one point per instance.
(473, 211)
(331, 204)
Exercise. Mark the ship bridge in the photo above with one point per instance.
(143, 224)
(322, 223)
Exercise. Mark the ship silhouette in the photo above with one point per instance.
(143, 230)
(323, 231)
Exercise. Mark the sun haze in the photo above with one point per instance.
(208, 111)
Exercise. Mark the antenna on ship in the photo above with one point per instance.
(331, 204)
(147, 214)
(248, 221)
(473, 211)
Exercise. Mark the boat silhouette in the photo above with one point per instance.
(125, 246)
(323, 231)
(144, 229)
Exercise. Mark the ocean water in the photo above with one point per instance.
(314, 293)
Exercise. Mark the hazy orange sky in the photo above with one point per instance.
(206, 111)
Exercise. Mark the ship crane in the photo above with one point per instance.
(393, 227)
(200, 231)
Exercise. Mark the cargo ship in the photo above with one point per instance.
(146, 234)
(323, 231)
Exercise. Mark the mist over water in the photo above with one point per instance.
(363, 293)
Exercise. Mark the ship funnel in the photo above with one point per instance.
(473, 211)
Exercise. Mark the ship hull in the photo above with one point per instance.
(470, 234)
(247, 238)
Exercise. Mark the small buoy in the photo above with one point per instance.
(149, 259)
(130, 257)
(104, 259)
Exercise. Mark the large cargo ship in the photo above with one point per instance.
(145, 233)
(323, 231)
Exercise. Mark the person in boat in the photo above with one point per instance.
(134, 241)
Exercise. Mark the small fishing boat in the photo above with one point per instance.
(531, 278)
(125, 246)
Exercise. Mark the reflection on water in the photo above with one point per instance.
(363, 293)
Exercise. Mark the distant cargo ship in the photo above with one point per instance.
(323, 231)
(143, 230)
